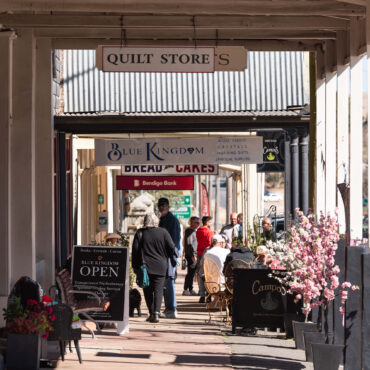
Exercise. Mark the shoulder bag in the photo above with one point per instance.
(142, 277)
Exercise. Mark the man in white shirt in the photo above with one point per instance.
(232, 229)
(217, 253)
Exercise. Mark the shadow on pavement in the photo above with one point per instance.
(201, 360)
(264, 363)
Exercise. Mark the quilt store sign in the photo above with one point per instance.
(210, 150)
(114, 58)
(102, 270)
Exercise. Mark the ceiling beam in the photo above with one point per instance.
(251, 45)
(177, 22)
(187, 34)
(356, 2)
(192, 7)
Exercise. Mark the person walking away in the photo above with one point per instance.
(152, 247)
(204, 236)
(169, 222)
(231, 229)
(190, 252)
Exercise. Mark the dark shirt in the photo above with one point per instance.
(156, 246)
(239, 253)
(172, 225)
(190, 242)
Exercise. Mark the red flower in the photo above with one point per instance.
(47, 299)
(46, 335)
(52, 317)
(31, 302)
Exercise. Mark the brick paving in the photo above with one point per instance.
(187, 342)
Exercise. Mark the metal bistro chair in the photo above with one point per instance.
(62, 330)
(216, 293)
(92, 303)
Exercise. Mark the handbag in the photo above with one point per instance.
(142, 277)
(184, 263)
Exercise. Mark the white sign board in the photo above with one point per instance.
(210, 150)
(170, 59)
(156, 59)
(179, 169)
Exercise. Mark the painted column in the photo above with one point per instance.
(6, 45)
(330, 128)
(320, 131)
(368, 97)
(22, 159)
(303, 170)
(342, 122)
(44, 167)
(287, 190)
(356, 135)
(294, 153)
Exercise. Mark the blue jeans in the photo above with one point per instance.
(169, 295)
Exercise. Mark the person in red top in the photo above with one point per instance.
(204, 236)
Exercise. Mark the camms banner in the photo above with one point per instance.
(175, 151)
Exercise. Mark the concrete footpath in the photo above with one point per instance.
(186, 342)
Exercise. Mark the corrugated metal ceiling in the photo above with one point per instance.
(273, 81)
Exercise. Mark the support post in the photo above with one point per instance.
(320, 132)
(22, 158)
(342, 122)
(288, 187)
(294, 173)
(45, 237)
(6, 50)
(303, 151)
(356, 134)
(330, 128)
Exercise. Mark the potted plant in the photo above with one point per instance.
(25, 326)
(311, 270)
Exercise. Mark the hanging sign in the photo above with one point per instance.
(204, 201)
(180, 169)
(103, 271)
(156, 59)
(273, 152)
(155, 182)
(210, 150)
(103, 221)
(116, 58)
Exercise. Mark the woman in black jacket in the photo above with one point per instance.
(152, 247)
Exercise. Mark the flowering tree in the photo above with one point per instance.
(309, 262)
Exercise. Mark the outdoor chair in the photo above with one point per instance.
(92, 303)
(216, 293)
(63, 331)
(234, 264)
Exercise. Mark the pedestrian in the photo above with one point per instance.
(190, 252)
(112, 239)
(204, 236)
(152, 247)
(231, 229)
(169, 222)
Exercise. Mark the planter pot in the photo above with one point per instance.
(298, 329)
(288, 323)
(327, 356)
(313, 337)
(23, 349)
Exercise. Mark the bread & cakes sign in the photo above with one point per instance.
(170, 59)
